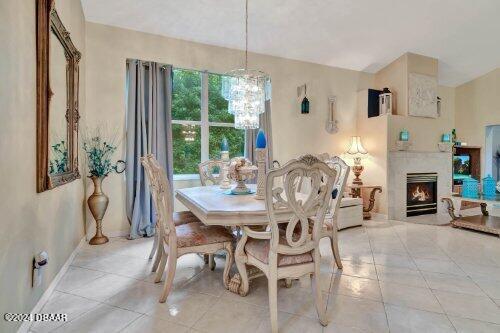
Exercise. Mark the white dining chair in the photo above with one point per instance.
(291, 252)
(178, 217)
(177, 240)
(330, 229)
(210, 172)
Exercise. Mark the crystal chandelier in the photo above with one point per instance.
(246, 90)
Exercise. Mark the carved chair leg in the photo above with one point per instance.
(229, 263)
(335, 246)
(169, 280)
(161, 268)
(273, 299)
(206, 259)
(211, 262)
(318, 295)
(158, 253)
(155, 245)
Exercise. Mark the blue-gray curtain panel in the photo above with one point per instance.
(149, 131)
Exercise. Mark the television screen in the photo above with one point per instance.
(461, 167)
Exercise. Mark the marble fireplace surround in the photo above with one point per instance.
(400, 163)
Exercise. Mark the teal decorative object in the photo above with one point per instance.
(489, 186)
(446, 137)
(304, 106)
(404, 135)
(469, 188)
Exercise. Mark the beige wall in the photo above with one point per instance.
(425, 133)
(477, 106)
(373, 132)
(293, 133)
(395, 77)
(31, 222)
(379, 134)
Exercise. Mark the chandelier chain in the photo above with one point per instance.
(246, 34)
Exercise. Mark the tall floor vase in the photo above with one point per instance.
(98, 203)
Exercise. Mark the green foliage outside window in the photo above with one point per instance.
(186, 95)
(186, 105)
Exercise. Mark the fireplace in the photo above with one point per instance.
(421, 194)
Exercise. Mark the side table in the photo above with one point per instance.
(356, 192)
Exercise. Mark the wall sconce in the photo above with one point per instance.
(331, 124)
(304, 105)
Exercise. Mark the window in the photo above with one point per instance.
(200, 120)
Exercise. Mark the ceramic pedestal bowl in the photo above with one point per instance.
(241, 170)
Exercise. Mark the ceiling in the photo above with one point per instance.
(363, 35)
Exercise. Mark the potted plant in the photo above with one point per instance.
(99, 151)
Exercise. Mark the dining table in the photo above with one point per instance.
(215, 206)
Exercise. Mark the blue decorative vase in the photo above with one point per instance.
(446, 137)
(469, 188)
(489, 186)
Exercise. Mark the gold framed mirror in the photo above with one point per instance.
(57, 86)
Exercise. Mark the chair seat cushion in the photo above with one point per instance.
(259, 249)
(197, 234)
(181, 218)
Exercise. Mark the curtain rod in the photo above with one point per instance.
(146, 63)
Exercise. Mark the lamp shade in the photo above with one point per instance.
(356, 147)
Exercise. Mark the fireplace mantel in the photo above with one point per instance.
(401, 163)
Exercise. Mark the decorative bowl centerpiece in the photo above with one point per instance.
(241, 170)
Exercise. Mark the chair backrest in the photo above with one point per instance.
(282, 192)
(342, 169)
(162, 198)
(210, 172)
(152, 182)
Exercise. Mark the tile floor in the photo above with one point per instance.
(397, 277)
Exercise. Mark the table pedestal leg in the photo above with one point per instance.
(451, 208)
(235, 285)
(371, 203)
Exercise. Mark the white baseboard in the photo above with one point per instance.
(48, 292)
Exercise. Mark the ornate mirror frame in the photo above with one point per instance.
(48, 24)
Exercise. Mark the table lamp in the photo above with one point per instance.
(357, 150)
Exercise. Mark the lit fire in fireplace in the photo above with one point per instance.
(420, 195)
